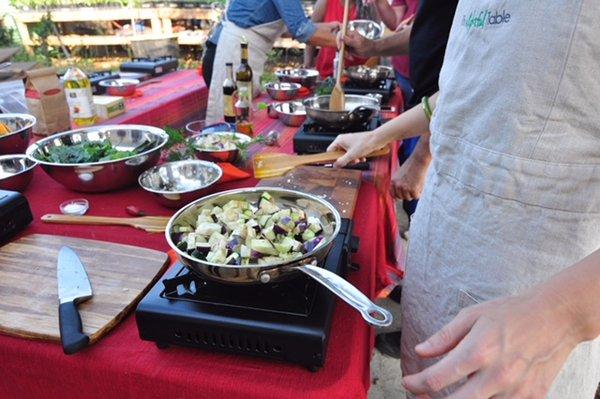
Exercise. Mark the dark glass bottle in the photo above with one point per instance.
(229, 90)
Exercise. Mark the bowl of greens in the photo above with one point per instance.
(100, 158)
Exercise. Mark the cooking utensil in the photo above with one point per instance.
(291, 113)
(306, 77)
(175, 184)
(151, 224)
(358, 111)
(370, 29)
(337, 100)
(122, 87)
(16, 171)
(121, 274)
(367, 77)
(20, 126)
(270, 273)
(283, 91)
(73, 288)
(270, 165)
(108, 175)
(229, 154)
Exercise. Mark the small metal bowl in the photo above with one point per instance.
(306, 77)
(107, 175)
(368, 77)
(283, 91)
(207, 152)
(120, 87)
(291, 113)
(175, 184)
(370, 29)
(16, 171)
(17, 141)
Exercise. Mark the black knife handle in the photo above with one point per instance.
(71, 335)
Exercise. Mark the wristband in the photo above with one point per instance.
(426, 107)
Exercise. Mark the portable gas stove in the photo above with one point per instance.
(385, 88)
(153, 66)
(287, 321)
(97, 77)
(313, 138)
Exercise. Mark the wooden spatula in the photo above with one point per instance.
(275, 164)
(151, 224)
(337, 101)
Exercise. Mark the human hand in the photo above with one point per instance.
(356, 145)
(356, 43)
(506, 348)
(409, 179)
(405, 23)
(332, 27)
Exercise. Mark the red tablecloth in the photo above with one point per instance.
(169, 100)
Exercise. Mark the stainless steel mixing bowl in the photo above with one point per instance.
(368, 77)
(16, 171)
(175, 184)
(283, 91)
(103, 175)
(369, 29)
(206, 152)
(17, 141)
(306, 77)
(291, 113)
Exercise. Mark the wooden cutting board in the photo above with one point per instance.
(338, 186)
(120, 275)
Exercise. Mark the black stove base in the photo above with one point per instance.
(287, 321)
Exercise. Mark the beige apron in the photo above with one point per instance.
(260, 42)
(513, 194)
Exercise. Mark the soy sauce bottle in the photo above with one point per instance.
(229, 90)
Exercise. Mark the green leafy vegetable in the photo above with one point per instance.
(87, 153)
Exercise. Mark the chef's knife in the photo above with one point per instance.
(73, 287)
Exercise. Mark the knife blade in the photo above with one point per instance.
(73, 288)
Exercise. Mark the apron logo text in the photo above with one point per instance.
(484, 19)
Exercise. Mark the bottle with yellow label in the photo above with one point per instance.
(78, 90)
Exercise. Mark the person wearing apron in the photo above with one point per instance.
(260, 22)
(513, 194)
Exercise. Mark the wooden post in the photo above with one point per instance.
(167, 26)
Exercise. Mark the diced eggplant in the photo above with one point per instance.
(300, 227)
(263, 246)
(206, 229)
(234, 244)
(245, 251)
(182, 245)
(308, 235)
(233, 259)
(310, 246)
(277, 229)
(255, 254)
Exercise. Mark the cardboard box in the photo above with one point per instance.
(109, 106)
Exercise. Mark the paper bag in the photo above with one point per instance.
(46, 101)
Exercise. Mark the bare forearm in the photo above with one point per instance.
(576, 292)
(323, 37)
(309, 56)
(394, 44)
(387, 14)
(421, 153)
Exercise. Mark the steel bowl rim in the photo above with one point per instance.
(241, 136)
(312, 72)
(294, 86)
(129, 82)
(29, 166)
(309, 255)
(102, 128)
(305, 102)
(277, 107)
(30, 118)
(197, 161)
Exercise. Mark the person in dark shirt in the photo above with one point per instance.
(425, 43)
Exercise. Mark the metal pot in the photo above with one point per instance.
(358, 111)
(368, 77)
(291, 114)
(270, 273)
(175, 184)
(16, 171)
(17, 141)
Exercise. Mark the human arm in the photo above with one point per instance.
(318, 15)
(514, 347)
(391, 45)
(408, 181)
(390, 15)
(411, 123)
(302, 28)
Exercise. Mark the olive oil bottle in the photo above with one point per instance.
(78, 90)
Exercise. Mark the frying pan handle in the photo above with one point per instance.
(373, 314)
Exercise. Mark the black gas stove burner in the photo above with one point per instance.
(154, 66)
(287, 321)
(313, 138)
(384, 87)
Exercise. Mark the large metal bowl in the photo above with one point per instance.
(306, 77)
(20, 126)
(313, 206)
(104, 175)
(175, 184)
(291, 113)
(368, 77)
(123, 87)
(358, 111)
(16, 171)
(229, 154)
(370, 29)
(283, 91)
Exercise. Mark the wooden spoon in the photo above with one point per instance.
(151, 224)
(276, 164)
(337, 101)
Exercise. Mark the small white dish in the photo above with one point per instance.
(75, 207)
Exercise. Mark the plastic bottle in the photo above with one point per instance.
(78, 90)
